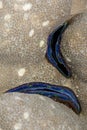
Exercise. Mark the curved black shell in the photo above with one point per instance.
(58, 93)
(53, 53)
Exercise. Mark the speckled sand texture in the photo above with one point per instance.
(78, 6)
(24, 28)
(27, 112)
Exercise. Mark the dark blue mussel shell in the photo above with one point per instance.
(53, 53)
(57, 93)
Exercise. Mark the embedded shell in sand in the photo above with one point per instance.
(24, 28)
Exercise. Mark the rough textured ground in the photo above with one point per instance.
(24, 28)
(27, 112)
(78, 6)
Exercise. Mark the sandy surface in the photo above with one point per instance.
(27, 112)
(24, 28)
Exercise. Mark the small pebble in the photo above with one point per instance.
(21, 71)
(42, 43)
(27, 6)
(45, 23)
(31, 33)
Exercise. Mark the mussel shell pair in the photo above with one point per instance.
(58, 93)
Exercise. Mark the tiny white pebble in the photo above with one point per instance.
(77, 86)
(45, 23)
(17, 98)
(77, 95)
(41, 43)
(7, 17)
(69, 60)
(31, 33)
(62, 12)
(1, 5)
(27, 6)
(26, 115)
(17, 126)
(21, 71)
(42, 98)
(52, 106)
